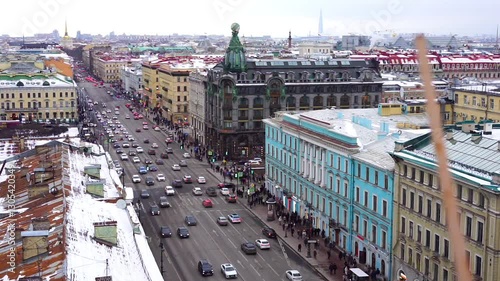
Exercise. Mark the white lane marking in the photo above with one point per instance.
(243, 256)
(284, 253)
(232, 243)
(272, 269)
(173, 266)
(255, 269)
(215, 232)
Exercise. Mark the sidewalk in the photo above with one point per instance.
(320, 264)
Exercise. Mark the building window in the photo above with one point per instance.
(420, 204)
(459, 191)
(375, 203)
(428, 238)
(445, 274)
(384, 240)
(479, 266)
(374, 234)
(357, 194)
(412, 200)
(426, 266)
(386, 181)
(365, 203)
(470, 198)
(419, 233)
(403, 197)
(481, 200)
(384, 208)
(418, 260)
(376, 178)
(438, 212)
(436, 243)
(435, 271)
(468, 227)
(402, 254)
(365, 228)
(356, 223)
(429, 208)
(403, 225)
(446, 250)
(410, 255)
(480, 227)
(410, 230)
(367, 176)
(413, 172)
(431, 180)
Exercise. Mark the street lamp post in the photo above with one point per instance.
(162, 249)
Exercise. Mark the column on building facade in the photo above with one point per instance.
(323, 168)
(303, 149)
(311, 163)
(318, 172)
(250, 108)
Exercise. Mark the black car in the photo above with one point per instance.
(153, 168)
(116, 145)
(249, 248)
(165, 231)
(227, 185)
(205, 268)
(159, 162)
(155, 210)
(183, 232)
(119, 151)
(190, 220)
(134, 145)
(151, 152)
(146, 141)
(269, 232)
(164, 202)
(148, 161)
(177, 183)
(150, 181)
(145, 194)
(164, 156)
(211, 192)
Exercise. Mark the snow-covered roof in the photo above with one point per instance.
(36, 81)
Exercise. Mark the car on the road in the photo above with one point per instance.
(164, 155)
(187, 179)
(138, 130)
(263, 244)
(205, 268)
(160, 177)
(159, 162)
(145, 194)
(211, 192)
(143, 170)
(190, 220)
(145, 127)
(176, 167)
(169, 140)
(177, 183)
(228, 271)
(153, 168)
(249, 248)
(154, 210)
(135, 145)
(119, 151)
(186, 155)
(139, 149)
(169, 150)
(183, 232)
(269, 232)
(132, 153)
(124, 156)
(207, 203)
(165, 231)
(136, 160)
(127, 116)
(222, 221)
(224, 191)
(197, 191)
(183, 163)
(169, 190)
(130, 138)
(226, 185)
(116, 145)
(150, 181)
(136, 179)
(146, 140)
(231, 198)
(154, 145)
(148, 161)
(151, 152)
(234, 218)
(293, 275)
(201, 179)
(156, 128)
(163, 201)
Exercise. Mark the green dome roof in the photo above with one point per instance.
(235, 60)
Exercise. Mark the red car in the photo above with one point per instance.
(140, 116)
(207, 203)
(231, 198)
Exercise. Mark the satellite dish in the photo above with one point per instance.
(121, 204)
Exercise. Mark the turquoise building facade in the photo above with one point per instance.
(332, 167)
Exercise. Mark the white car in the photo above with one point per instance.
(136, 179)
(169, 190)
(234, 218)
(224, 191)
(186, 155)
(136, 160)
(176, 167)
(117, 112)
(293, 274)
(160, 177)
(197, 191)
(263, 244)
(126, 145)
(157, 128)
(154, 145)
(202, 180)
(127, 117)
(124, 156)
(139, 149)
(228, 271)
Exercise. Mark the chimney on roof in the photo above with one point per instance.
(496, 177)
(449, 134)
(40, 223)
(467, 127)
(399, 146)
(476, 136)
(487, 128)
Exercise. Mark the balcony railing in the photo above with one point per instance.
(17, 109)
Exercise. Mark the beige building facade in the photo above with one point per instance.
(174, 91)
(477, 103)
(422, 242)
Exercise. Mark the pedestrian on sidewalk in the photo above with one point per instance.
(329, 253)
(315, 253)
(331, 268)
(292, 231)
(284, 226)
(334, 268)
(279, 220)
(299, 247)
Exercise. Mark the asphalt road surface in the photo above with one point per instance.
(218, 244)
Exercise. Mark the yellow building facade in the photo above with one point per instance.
(108, 70)
(174, 90)
(422, 245)
(477, 103)
(151, 84)
(38, 97)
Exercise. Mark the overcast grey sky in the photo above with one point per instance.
(256, 17)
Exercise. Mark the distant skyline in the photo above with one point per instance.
(256, 17)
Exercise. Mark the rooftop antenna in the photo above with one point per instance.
(497, 41)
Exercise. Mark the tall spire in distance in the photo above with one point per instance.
(66, 28)
(320, 27)
(289, 39)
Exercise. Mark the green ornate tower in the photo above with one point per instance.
(235, 60)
